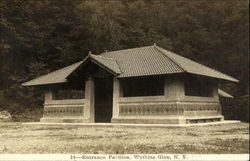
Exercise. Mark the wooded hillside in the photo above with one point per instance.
(38, 36)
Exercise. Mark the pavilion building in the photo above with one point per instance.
(140, 85)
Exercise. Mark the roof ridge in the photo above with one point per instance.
(102, 57)
(118, 66)
(157, 48)
(53, 72)
(126, 49)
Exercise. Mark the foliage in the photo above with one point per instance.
(44, 35)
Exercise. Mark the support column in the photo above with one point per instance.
(116, 95)
(89, 110)
(47, 99)
(174, 88)
(174, 92)
(215, 92)
(47, 96)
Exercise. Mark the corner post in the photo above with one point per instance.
(47, 99)
(174, 88)
(215, 92)
(116, 95)
(47, 96)
(174, 92)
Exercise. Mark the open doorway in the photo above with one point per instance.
(103, 99)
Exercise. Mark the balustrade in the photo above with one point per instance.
(63, 111)
(154, 109)
(170, 109)
(63, 108)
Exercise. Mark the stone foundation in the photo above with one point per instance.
(149, 120)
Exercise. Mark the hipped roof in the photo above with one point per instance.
(143, 61)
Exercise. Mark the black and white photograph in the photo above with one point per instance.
(124, 80)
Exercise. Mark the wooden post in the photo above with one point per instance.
(174, 88)
(89, 110)
(116, 95)
(47, 96)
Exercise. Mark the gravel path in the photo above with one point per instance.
(227, 138)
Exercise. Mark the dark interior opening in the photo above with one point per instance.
(61, 94)
(143, 86)
(198, 86)
(74, 89)
(103, 99)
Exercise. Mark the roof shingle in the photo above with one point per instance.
(194, 67)
(109, 63)
(58, 76)
(143, 61)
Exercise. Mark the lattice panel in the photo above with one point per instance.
(63, 111)
(161, 109)
(171, 109)
(201, 109)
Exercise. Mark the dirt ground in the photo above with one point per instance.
(227, 138)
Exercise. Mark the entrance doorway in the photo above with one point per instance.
(103, 99)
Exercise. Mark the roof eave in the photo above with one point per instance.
(228, 78)
(33, 82)
(231, 79)
(224, 94)
(27, 84)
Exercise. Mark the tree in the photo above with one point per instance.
(40, 36)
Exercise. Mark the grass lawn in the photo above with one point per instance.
(227, 138)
